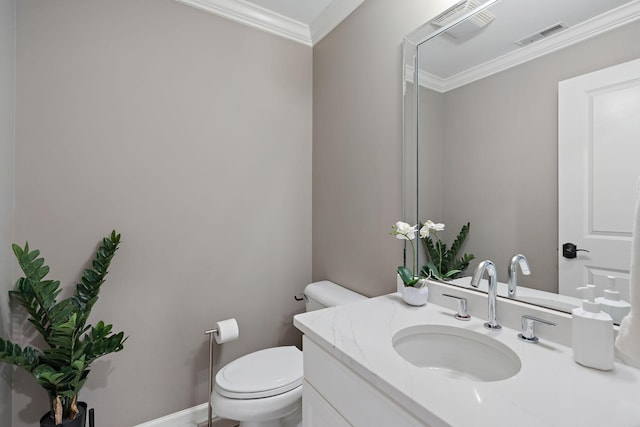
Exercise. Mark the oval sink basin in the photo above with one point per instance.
(456, 352)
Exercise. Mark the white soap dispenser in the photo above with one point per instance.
(611, 302)
(592, 333)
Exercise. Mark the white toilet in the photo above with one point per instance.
(264, 388)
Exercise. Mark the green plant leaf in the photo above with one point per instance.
(88, 290)
(405, 274)
(457, 243)
(36, 295)
(430, 248)
(431, 270)
(26, 358)
(451, 273)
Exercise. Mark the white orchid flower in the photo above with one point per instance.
(438, 227)
(430, 226)
(404, 231)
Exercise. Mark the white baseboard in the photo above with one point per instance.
(190, 417)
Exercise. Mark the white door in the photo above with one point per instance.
(598, 169)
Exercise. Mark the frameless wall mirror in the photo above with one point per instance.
(490, 138)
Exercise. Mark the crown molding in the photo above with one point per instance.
(331, 17)
(591, 28)
(263, 19)
(425, 79)
(256, 17)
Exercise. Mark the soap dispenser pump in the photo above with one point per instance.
(611, 302)
(592, 333)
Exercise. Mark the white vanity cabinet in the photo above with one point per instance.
(335, 396)
(317, 412)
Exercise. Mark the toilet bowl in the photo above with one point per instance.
(261, 389)
(264, 388)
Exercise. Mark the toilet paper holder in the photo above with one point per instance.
(212, 333)
(226, 330)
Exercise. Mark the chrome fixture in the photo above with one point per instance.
(492, 293)
(213, 333)
(527, 334)
(513, 277)
(463, 312)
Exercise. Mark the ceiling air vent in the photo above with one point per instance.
(539, 35)
(466, 28)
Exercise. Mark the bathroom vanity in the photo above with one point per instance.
(355, 376)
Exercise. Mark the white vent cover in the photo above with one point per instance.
(469, 26)
(539, 35)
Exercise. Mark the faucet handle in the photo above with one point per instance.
(463, 313)
(524, 265)
(527, 334)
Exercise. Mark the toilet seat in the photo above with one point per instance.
(261, 374)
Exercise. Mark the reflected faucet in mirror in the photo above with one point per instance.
(490, 268)
(516, 260)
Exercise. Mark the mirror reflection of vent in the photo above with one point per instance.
(468, 27)
(539, 35)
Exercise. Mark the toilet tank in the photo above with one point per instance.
(328, 294)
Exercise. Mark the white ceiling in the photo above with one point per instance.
(305, 11)
(303, 21)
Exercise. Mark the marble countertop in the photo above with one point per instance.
(550, 389)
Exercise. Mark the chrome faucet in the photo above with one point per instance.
(513, 277)
(492, 294)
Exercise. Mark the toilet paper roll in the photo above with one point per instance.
(227, 331)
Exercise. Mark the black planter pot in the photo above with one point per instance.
(80, 421)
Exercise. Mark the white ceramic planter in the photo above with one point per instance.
(416, 296)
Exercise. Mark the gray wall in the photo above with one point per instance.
(7, 89)
(433, 175)
(500, 147)
(357, 143)
(190, 135)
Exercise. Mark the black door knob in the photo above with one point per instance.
(570, 250)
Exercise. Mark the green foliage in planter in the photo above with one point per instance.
(443, 263)
(73, 344)
(407, 277)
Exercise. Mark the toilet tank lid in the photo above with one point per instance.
(331, 294)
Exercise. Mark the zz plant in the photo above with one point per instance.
(444, 263)
(73, 344)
